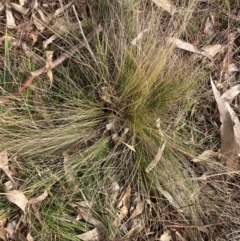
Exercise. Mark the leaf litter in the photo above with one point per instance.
(229, 149)
(15, 196)
(156, 159)
(98, 233)
(166, 236)
(228, 96)
(4, 165)
(166, 5)
(19, 199)
(208, 52)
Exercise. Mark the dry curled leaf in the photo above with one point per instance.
(35, 207)
(166, 5)
(166, 236)
(45, 19)
(11, 229)
(15, 196)
(205, 155)
(86, 214)
(231, 93)
(156, 159)
(10, 19)
(92, 235)
(107, 93)
(212, 50)
(11, 40)
(39, 198)
(3, 232)
(63, 8)
(49, 65)
(29, 237)
(19, 8)
(50, 40)
(138, 210)
(38, 23)
(124, 205)
(139, 36)
(99, 233)
(4, 164)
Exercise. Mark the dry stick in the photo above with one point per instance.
(193, 226)
(84, 37)
(59, 60)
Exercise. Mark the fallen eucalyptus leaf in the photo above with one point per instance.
(231, 93)
(166, 236)
(11, 40)
(50, 40)
(229, 152)
(166, 5)
(92, 235)
(49, 65)
(205, 155)
(10, 19)
(236, 127)
(35, 207)
(4, 164)
(212, 50)
(124, 205)
(63, 8)
(38, 23)
(3, 232)
(19, 8)
(16, 197)
(39, 198)
(99, 233)
(186, 46)
(138, 210)
(11, 229)
(156, 159)
(44, 18)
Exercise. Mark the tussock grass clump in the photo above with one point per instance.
(110, 109)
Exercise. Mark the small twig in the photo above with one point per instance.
(194, 226)
(59, 60)
(84, 37)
